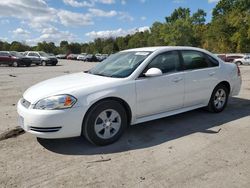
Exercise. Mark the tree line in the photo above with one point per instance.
(227, 32)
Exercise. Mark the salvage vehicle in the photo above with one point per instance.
(244, 60)
(129, 87)
(41, 58)
(13, 58)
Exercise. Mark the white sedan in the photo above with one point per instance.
(130, 87)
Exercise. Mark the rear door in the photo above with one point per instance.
(34, 57)
(201, 72)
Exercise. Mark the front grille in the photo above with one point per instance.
(25, 103)
(45, 129)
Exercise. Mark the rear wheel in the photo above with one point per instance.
(15, 64)
(238, 63)
(218, 100)
(105, 122)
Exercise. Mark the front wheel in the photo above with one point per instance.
(218, 100)
(44, 63)
(105, 122)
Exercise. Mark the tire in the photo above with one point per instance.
(238, 63)
(219, 99)
(44, 63)
(15, 64)
(53, 64)
(105, 123)
(28, 65)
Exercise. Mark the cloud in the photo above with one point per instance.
(178, 1)
(3, 39)
(101, 13)
(68, 18)
(21, 32)
(125, 16)
(123, 2)
(143, 18)
(52, 35)
(25, 9)
(213, 1)
(4, 21)
(115, 33)
(86, 3)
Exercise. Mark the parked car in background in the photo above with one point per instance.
(101, 57)
(90, 58)
(51, 55)
(130, 87)
(81, 57)
(61, 56)
(245, 60)
(14, 59)
(41, 58)
(72, 56)
(229, 57)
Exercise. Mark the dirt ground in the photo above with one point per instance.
(193, 149)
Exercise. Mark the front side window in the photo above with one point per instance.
(120, 65)
(194, 60)
(166, 62)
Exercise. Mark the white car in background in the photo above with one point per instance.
(245, 60)
(81, 57)
(130, 87)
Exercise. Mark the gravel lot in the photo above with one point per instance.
(193, 149)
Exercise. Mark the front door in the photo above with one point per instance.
(163, 93)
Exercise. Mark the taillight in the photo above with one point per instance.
(238, 68)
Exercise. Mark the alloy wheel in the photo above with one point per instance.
(107, 124)
(219, 99)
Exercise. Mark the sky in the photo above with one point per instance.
(32, 21)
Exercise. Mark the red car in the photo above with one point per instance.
(229, 57)
(72, 56)
(14, 59)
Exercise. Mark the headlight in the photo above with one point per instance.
(56, 102)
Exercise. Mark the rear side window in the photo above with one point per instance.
(194, 60)
(166, 62)
(32, 54)
(4, 54)
(212, 61)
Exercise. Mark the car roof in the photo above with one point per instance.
(156, 48)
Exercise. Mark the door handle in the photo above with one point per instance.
(177, 79)
(211, 73)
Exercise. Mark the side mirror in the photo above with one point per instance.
(153, 72)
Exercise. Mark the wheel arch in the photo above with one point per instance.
(226, 84)
(117, 99)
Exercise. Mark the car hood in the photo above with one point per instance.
(64, 85)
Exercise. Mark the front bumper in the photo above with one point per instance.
(51, 123)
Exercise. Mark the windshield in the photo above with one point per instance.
(43, 54)
(120, 65)
(16, 54)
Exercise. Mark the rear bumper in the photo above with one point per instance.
(236, 86)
